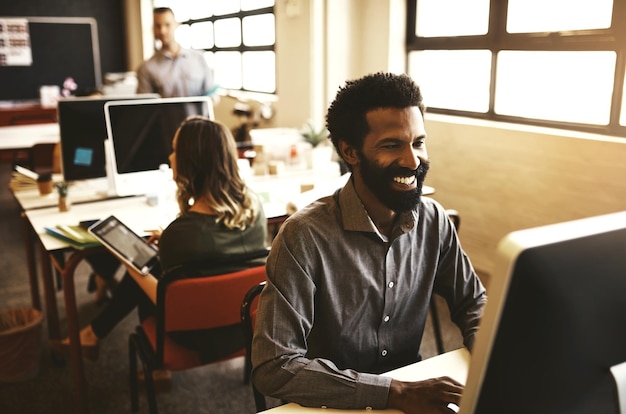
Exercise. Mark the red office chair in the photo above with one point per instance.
(186, 304)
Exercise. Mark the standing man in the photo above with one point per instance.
(350, 277)
(173, 70)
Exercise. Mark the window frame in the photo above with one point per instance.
(497, 39)
(241, 48)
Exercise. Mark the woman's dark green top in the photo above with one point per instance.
(196, 241)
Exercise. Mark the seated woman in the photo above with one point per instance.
(219, 219)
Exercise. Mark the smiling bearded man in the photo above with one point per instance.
(350, 277)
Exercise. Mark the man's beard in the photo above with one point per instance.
(379, 180)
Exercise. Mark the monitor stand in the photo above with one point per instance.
(619, 375)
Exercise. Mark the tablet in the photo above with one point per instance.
(126, 244)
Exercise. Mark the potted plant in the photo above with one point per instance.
(314, 136)
(62, 188)
(321, 153)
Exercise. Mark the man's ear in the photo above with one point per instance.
(348, 153)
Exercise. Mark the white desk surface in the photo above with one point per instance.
(276, 191)
(25, 136)
(80, 192)
(133, 211)
(454, 364)
(42, 211)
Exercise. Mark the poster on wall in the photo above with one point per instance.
(15, 47)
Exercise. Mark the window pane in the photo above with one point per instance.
(453, 79)
(202, 35)
(183, 36)
(451, 17)
(259, 71)
(222, 7)
(189, 9)
(255, 4)
(258, 30)
(209, 57)
(228, 32)
(527, 16)
(227, 69)
(560, 86)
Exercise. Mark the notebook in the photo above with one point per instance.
(126, 244)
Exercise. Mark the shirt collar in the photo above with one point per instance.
(166, 55)
(355, 217)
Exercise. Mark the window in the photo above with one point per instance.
(237, 36)
(558, 63)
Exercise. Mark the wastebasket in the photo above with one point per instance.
(20, 344)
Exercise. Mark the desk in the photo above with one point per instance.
(26, 112)
(25, 136)
(29, 199)
(14, 139)
(454, 364)
(133, 211)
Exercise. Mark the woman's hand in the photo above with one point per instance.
(155, 235)
(424, 397)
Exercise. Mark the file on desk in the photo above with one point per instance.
(74, 235)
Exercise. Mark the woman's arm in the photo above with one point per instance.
(148, 283)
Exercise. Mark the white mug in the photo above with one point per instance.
(49, 95)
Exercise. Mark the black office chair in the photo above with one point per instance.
(248, 318)
(454, 217)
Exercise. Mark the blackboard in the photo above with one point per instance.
(61, 47)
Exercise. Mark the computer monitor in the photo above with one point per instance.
(60, 47)
(83, 130)
(555, 322)
(140, 136)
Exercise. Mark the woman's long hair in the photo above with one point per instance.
(206, 168)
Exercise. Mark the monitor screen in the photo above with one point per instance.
(83, 131)
(140, 134)
(60, 47)
(555, 322)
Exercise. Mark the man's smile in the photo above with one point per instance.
(408, 181)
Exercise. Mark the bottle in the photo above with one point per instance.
(164, 187)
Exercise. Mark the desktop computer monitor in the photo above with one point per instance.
(555, 322)
(83, 130)
(140, 138)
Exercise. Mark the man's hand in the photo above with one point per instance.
(424, 397)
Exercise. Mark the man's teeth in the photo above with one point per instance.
(405, 180)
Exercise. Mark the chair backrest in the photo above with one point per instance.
(248, 314)
(454, 217)
(43, 158)
(248, 319)
(206, 302)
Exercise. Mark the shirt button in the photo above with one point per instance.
(384, 353)
(386, 319)
(390, 284)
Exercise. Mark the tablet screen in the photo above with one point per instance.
(119, 237)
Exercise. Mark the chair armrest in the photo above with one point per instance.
(147, 283)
